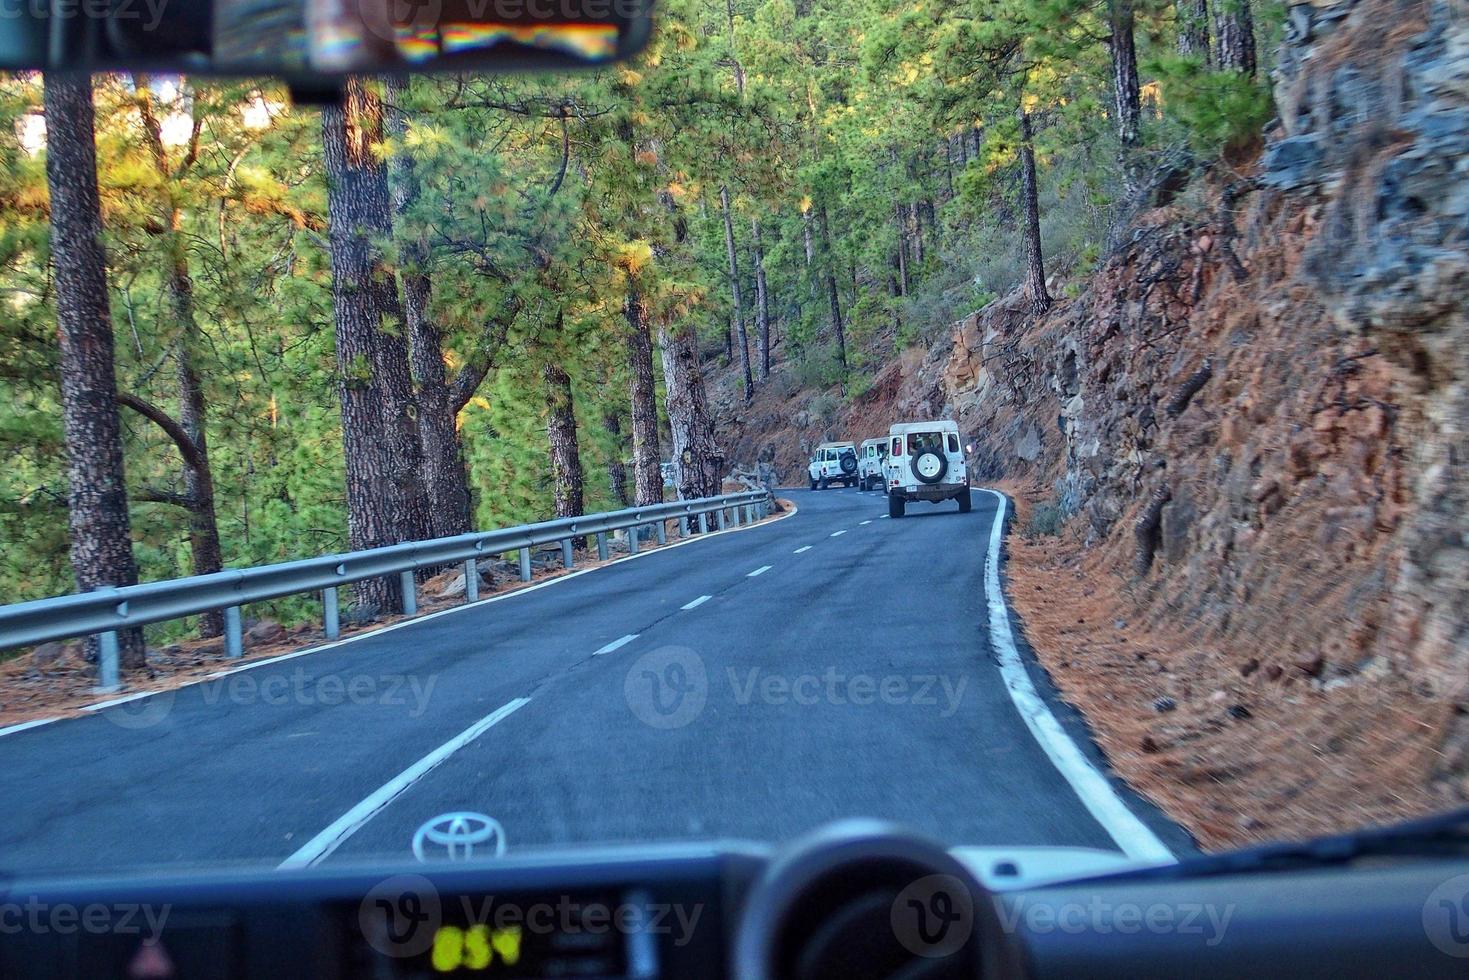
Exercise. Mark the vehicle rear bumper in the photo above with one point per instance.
(935, 493)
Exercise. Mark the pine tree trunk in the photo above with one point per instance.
(833, 299)
(561, 432)
(1193, 29)
(616, 470)
(902, 251)
(206, 552)
(1035, 274)
(1234, 36)
(97, 504)
(357, 206)
(762, 300)
(698, 462)
(1125, 97)
(1126, 103)
(208, 556)
(646, 466)
(734, 286)
(445, 479)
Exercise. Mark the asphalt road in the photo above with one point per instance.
(755, 684)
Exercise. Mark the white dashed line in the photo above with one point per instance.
(837, 534)
(882, 517)
(616, 644)
(799, 550)
(699, 601)
(866, 522)
(759, 571)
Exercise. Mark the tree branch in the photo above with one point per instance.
(192, 456)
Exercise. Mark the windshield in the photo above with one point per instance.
(451, 445)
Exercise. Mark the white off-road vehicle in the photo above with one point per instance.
(871, 456)
(833, 462)
(925, 462)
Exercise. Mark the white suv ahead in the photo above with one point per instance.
(925, 462)
(870, 459)
(833, 462)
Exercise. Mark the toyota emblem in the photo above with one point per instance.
(459, 837)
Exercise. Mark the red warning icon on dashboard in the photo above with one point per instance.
(151, 962)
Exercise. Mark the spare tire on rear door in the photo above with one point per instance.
(930, 465)
(849, 462)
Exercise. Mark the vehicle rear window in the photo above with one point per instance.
(953, 443)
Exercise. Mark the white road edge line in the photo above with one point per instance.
(323, 844)
(837, 534)
(27, 725)
(760, 571)
(1096, 793)
(616, 644)
(698, 602)
(800, 550)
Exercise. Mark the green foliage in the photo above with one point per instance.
(849, 133)
(1216, 112)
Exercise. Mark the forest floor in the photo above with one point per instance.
(56, 680)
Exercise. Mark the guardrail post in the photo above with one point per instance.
(722, 519)
(566, 556)
(632, 540)
(471, 581)
(601, 545)
(107, 678)
(735, 512)
(662, 532)
(703, 522)
(525, 564)
(332, 626)
(234, 639)
(410, 593)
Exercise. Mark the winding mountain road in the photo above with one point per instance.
(753, 684)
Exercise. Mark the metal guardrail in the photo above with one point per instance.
(105, 611)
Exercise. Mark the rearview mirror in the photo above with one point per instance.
(321, 40)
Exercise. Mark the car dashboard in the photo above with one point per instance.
(855, 900)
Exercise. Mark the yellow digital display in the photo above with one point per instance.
(476, 949)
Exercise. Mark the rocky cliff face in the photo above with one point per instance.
(1250, 428)
(1257, 411)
